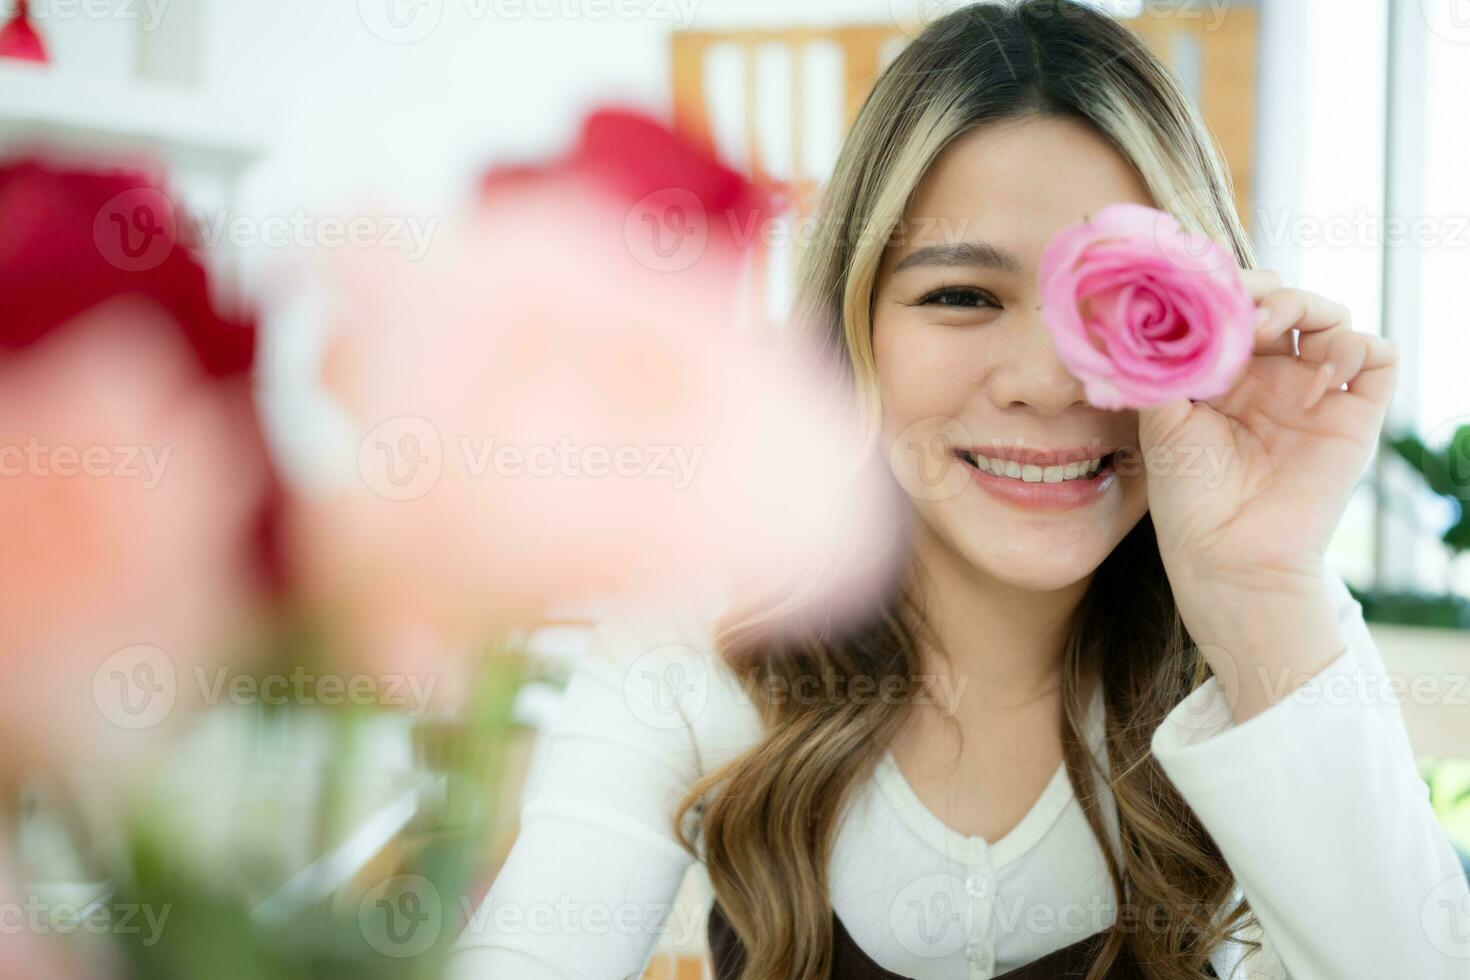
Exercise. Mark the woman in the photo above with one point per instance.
(1105, 724)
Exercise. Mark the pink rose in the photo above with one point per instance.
(1144, 312)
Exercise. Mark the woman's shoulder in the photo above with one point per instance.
(657, 678)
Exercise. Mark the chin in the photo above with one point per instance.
(1034, 559)
(1040, 550)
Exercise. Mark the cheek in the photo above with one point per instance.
(927, 370)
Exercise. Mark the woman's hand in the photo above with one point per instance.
(1245, 490)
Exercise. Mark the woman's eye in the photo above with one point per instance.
(961, 296)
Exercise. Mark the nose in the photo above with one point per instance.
(1033, 376)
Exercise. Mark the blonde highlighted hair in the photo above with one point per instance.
(764, 823)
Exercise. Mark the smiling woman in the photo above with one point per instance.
(1145, 769)
(959, 349)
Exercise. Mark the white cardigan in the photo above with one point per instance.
(1316, 803)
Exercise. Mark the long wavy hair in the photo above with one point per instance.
(764, 823)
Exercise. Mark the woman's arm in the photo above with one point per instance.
(1317, 804)
(1293, 755)
(592, 877)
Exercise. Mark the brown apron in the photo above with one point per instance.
(849, 962)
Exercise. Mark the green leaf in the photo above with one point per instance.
(1457, 462)
(1436, 468)
(1458, 536)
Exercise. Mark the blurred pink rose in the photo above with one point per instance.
(136, 495)
(126, 517)
(551, 414)
(1143, 312)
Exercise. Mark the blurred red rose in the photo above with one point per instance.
(73, 237)
(18, 37)
(681, 205)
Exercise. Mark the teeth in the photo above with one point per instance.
(1038, 474)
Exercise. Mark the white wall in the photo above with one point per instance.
(482, 84)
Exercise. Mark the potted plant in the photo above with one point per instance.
(1446, 472)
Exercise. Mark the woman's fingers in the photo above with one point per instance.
(1377, 373)
(1318, 319)
(1284, 309)
(1296, 322)
(1367, 364)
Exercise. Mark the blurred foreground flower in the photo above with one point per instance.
(135, 491)
(559, 404)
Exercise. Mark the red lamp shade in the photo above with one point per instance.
(18, 39)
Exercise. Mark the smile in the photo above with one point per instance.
(1031, 472)
(1042, 479)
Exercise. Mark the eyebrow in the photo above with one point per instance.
(980, 255)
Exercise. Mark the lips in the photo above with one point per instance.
(1061, 478)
